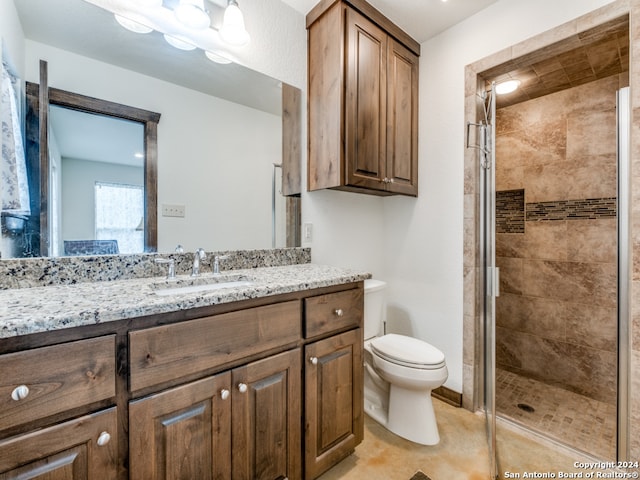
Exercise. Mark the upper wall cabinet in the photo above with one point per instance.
(363, 101)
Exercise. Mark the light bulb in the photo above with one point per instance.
(217, 57)
(191, 14)
(507, 87)
(233, 31)
(179, 42)
(132, 25)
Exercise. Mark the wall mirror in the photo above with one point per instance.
(222, 127)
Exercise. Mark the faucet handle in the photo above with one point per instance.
(172, 266)
(216, 263)
(179, 249)
(201, 253)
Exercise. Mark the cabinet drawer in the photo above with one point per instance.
(58, 378)
(170, 352)
(334, 311)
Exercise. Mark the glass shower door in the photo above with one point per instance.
(489, 272)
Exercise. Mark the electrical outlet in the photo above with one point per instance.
(173, 210)
(307, 232)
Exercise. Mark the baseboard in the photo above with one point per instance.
(448, 396)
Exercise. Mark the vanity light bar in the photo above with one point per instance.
(144, 16)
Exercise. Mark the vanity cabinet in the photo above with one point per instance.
(240, 424)
(81, 449)
(362, 101)
(260, 389)
(41, 391)
(333, 400)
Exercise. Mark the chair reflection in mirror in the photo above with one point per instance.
(91, 247)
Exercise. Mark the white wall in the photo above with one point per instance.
(79, 178)
(424, 238)
(12, 35)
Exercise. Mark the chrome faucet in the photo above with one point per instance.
(216, 263)
(171, 273)
(197, 256)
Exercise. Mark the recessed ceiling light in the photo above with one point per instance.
(507, 87)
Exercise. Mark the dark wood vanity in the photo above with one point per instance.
(267, 388)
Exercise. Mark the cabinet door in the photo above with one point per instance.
(365, 103)
(266, 419)
(333, 400)
(81, 449)
(182, 433)
(402, 120)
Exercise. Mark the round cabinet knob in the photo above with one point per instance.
(224, 394)
(313, 360)
(242, 387)
(103, 439)
(20, 393)
(339, 312)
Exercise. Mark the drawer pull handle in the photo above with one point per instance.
(103, 439)
(242, 387)
(20, 393)
(224, 394)
(313, 360)
(339, 312)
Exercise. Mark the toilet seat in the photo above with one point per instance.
(407, 351)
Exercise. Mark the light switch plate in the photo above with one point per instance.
(173, 210)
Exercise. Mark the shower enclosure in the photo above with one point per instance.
(554, 220)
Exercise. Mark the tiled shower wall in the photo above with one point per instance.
(556, 241)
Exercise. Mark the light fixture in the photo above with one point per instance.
(179, 42)
(217, 57)
(507, 86)
(185, 24)
(233, 31)
(191, 14)
(132, 25)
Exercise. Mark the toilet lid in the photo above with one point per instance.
(407, 351)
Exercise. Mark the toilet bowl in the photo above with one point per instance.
(400, 372)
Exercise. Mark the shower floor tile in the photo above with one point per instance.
(578, 421)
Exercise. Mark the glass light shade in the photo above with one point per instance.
(507, 87)
(233, 31)
(217, 57)
(179, 42)
(132, 25)
(149, 3)
(191, 14)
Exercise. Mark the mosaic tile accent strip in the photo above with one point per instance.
(510, 211)
(584, 209)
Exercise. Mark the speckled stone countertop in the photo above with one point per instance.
(40, 309)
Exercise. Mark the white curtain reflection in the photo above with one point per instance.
(119, 211)
(14, 185)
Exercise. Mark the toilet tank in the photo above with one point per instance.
(373, 307)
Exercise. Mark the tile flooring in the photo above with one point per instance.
(580, 422)
(462, 453)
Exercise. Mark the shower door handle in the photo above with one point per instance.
(496, 281)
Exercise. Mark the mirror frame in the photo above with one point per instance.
(97, 106)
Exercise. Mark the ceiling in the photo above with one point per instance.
(97, 138)
(421, 19)
(582, 58)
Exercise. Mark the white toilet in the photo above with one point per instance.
(400, 373)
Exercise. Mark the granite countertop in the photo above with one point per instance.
(40, 309)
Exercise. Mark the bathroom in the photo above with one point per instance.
(420, 247)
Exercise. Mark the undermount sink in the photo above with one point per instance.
(199, 284)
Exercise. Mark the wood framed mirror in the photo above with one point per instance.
(37, 149)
